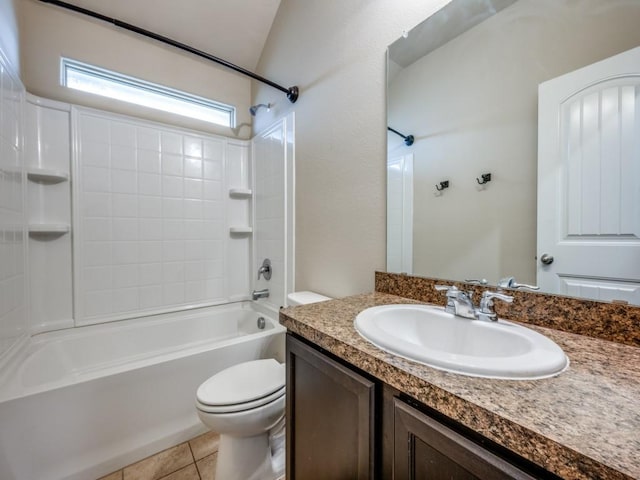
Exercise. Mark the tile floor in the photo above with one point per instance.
(192, 460)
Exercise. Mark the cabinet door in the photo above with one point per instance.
(330, 414)
(426, 449)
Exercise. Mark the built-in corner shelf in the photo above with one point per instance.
(46, 175)
(241, 230)
(48, 228)
(240, 192)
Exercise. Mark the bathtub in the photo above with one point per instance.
(81, 403)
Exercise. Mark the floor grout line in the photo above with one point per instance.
(194, 459)
(191, 450)
(198, 470)
(177, 470)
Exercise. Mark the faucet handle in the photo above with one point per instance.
(265, 269)
(475, 281)
(510, 282)
(451, 289)
(485, 312)
(452, 293)
(489, 296)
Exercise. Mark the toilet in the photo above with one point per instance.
(245, 404)
(303, 298)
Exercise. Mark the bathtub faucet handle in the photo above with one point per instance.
(265, 269)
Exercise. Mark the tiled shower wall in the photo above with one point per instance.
(13, 309)
(273, 232)
(151, 227)
(152, 214)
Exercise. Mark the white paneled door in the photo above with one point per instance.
(589, 181)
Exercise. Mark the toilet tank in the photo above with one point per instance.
(304, 298)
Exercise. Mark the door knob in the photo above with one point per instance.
(546, 259)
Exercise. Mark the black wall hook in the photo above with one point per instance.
(443, 185)
(486, 178)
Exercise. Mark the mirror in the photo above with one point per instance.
(464, 83)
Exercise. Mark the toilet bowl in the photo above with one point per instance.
(245, 404)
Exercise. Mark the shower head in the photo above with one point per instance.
(254, 109)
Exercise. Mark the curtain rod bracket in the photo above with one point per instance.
(291, 92)
(408, 139)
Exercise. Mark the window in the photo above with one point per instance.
(81, 76)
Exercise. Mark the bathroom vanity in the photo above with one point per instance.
(343, 423)
(355, 411)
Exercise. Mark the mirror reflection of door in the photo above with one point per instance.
(400, 213)
(589, 181)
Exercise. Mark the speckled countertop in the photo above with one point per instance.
(582, 424)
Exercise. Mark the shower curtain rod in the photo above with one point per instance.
(408, 139)
(291, 92)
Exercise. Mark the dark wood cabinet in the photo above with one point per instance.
(343, 424)
(425, 449)
(330, 418)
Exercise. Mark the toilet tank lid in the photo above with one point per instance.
(243, 383)
(303, 298)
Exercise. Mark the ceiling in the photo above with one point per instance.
(235, 30)
(452, 20)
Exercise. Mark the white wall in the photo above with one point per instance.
(49, 32)
(335, 52)
(13, 308)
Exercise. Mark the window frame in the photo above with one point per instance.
(68, 65)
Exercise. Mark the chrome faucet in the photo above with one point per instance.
(460, 303)
(256, 294)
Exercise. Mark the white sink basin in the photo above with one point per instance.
(478, 348)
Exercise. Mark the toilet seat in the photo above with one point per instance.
(242, 387)
(239, 407)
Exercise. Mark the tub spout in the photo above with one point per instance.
(256, 294)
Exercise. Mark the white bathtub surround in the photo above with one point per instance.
(273, 164)
(84, 402)
(163, 218)
(48, 163)
(13, 302)
(152, 218)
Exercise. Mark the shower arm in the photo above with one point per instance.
(291, 92)
(408, 139)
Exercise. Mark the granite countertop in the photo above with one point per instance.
(582, 424)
